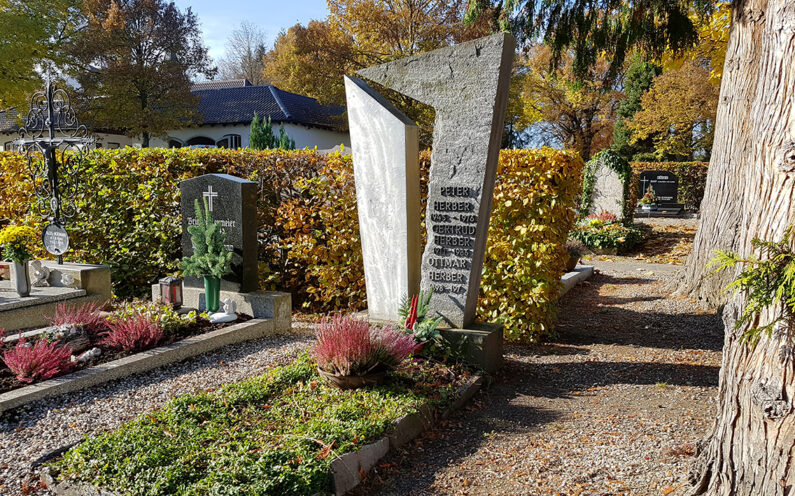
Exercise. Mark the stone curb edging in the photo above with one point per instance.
(140, 362)
(347, 469)
(576, 276)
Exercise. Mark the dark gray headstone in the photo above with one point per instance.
(664, 183)
(467, 84)
(233, 203)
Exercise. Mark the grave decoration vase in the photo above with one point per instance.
(212, 293)
(353, 381)
(21, 278)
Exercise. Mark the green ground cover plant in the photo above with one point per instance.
(276, 434)
(600, 233)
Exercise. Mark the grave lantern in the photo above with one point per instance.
(171, 291)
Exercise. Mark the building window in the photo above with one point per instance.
(113, 146)
(175, 143)
(201, 142)
(232, 141)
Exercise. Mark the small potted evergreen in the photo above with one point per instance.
(649, 200)
(575, 248)
(210, 260)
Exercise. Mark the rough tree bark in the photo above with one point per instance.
(751, 194)
(721, 208)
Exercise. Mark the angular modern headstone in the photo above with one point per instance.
(385, 147)
(665, 185)
(233, 203)
(467, 84)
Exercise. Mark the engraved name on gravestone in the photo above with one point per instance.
(664, 183)
(233, 203)
(467, 84)
(55, 239)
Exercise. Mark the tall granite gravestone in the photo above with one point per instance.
(467, 85)
(386, 168)
(233, 203)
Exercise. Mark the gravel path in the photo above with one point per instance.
(31, 431)
(614, 407)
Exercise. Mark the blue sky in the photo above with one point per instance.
(219, 18)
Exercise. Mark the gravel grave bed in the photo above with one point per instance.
(615, 406)
(32, 431)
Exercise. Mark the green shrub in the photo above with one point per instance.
(128, 217)
(606, 236)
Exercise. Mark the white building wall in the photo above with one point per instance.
(104, 140)
(305, 137)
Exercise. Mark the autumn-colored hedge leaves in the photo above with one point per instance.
(128, 217)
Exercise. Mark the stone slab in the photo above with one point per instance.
(26, 317)
(578, 275)
(482, 344)
(608, 191)
(467, 85)
(95, 279)
(258, 304)
(386, 171)
(233, 203)
(140, 362)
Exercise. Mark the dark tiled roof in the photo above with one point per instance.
(238, 105)
(217, 85)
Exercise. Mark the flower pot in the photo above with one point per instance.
(353, 381)
(212, 294)
(21, 278)
(571, 264)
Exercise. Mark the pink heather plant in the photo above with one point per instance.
(346, 346)
(40, 361)
(86, 315)
(136, 333)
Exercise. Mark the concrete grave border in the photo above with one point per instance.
(346, 469)
(140, 362)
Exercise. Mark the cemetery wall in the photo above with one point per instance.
(692, 180)
(309, 243)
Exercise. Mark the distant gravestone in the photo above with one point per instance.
(608, 192)
(467, 85)
(233, 203)
(664, 183)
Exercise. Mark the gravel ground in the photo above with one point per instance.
(614, 407)
(34, 430)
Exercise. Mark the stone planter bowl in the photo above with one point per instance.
(353, 381)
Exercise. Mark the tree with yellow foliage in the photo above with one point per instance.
(678, 113)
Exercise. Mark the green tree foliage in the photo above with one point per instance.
(33, 36)
(637, 80)
(769, 282)
(135, 62)
(262, 137)
(590, 28)
(210, 257)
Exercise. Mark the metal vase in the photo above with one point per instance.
(21, 278)
(212, 294)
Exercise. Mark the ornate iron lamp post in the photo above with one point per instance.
(54, 141)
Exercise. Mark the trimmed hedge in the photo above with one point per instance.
(128, 218)
(692, 180)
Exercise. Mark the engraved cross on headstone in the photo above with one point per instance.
(210, 194)
(644, 181)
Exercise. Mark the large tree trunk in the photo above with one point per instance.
(721, 208)
(750, 449)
